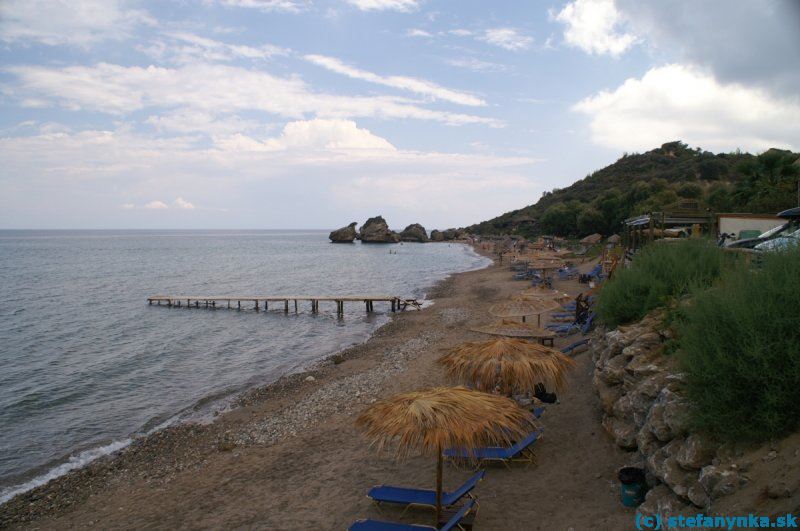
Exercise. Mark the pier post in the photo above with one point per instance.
(256, 302)
(150, 302)
(188, 303)
(393, 304)
(266, 305)
(238, 305)
(286, 306)
(229, 304)
(196, 304)
(295, 306)
(214, 304)
(179, 303)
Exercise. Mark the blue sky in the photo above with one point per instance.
(312, 114)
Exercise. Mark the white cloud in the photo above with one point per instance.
(476, 65)
(78, 22)
(417, 86)
(459, 32)
(334, 180)
(183, 204)
(405, 6)
(594, 27)
(507, 38)
(156, 205)
(269, 6)
(185, 47)
(194, 121)
(315, 134)
(119, 90)
(681, 102)
(127, 206)
(415, 32)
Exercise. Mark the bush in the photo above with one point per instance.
(659, 273)
(740, 350)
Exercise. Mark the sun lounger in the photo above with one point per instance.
(521, 451)
(423, 497)
(573, 346)
(377, 525)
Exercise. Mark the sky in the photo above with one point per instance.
(310, 114)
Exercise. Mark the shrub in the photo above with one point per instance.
(659, 273)
(740, 350)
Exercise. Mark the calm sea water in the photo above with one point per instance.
(86, 363)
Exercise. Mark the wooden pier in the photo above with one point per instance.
(258, 302)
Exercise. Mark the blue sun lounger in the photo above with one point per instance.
(521, 451)
(377, 525)
(424, 497)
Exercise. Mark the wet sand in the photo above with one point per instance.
(290, 457)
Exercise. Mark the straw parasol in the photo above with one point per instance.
(524, 308)
(514, 364)
(445, 417)
(510, 328)
(542, 293)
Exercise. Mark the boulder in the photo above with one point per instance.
(719, 481)
(376, 230)
(623, 432)
(696, 452)
(345, 234)
(450, 234)
(664, 465)
(662, 501)
(667, 416)
(414, 233)
(437, 236)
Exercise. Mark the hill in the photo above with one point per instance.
(640, 183)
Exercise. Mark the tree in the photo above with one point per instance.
(591, 220)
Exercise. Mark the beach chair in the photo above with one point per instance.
(521, 451)
(422, 497)
(567, 273)
(377, 525)
(569, 348)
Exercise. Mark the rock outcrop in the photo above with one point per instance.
(376, 230)
(437, 236)
(345, 234)
(645, 411)
(450, 234)
(414, 233)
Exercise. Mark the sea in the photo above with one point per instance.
(86, 364)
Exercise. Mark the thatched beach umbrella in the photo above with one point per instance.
(515, 365)
(541, 292)
(524, 308)
(511, 328)
(429, 421)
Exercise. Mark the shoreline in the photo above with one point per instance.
(101, 459)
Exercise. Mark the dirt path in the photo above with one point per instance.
(292, 459)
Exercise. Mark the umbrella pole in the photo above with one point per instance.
(439, 487)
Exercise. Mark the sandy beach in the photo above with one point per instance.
(289, 457)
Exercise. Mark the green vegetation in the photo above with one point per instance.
(660, 273)
(641, 183)
(740, 349)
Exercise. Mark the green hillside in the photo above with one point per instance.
(641, 183)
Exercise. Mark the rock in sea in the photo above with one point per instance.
(414, 233)
(375, 230)
(345, 234)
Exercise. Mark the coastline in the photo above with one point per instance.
(86, 471)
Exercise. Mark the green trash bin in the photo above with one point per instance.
(633, 486)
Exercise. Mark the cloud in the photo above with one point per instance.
(405, 6)
(194, 121)
(683, 102)
(119, 90)
(183, 204)
(476, 65)
(594, 27)
(507, 38)
(417, 86)
(459, 32)
(185, 47)
(415, 32)
(127, 206)
(315, 134)
(78, 22)
(268, 6)
(156, 205)
(325, 163)
(755, 43)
